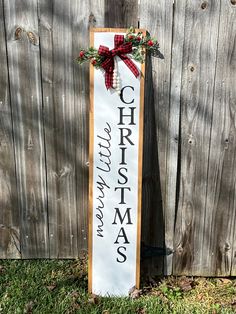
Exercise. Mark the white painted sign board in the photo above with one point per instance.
(116, 139)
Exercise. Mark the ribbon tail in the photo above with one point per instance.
(108, 80)
(130, 64)
(108, 66)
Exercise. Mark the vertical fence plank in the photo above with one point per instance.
(25, 85)
(173, 163)
(91, 14)
(219, 243)
(57, 40)
(195, 73)
(9, 209)
(122, 13)
(199, 57)
(160, 215)
(64, 29)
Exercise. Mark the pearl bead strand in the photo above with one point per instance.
(116, 79)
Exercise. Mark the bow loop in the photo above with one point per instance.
(103, 51)
(118, 40)
(120, 49)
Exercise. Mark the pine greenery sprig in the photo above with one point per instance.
(90, 55)
(140, 43)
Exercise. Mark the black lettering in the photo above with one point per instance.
(105, 152)
(103, 169)
(122, 193)
(122, 95)
(123, 136)
(123, 175)
(101, 184)
(124, 257)
(127, 213)
(122, 234)
(123, 156)
(131, 115)
(100, 218)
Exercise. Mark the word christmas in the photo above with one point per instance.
(122, 214)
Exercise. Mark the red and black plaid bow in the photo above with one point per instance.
(121, 49)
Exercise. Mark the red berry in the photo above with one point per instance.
(150, 43)
(94, 62)
(81, 54)
(139, 38)
(131, 37)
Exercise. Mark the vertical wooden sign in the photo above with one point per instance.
(116, 140)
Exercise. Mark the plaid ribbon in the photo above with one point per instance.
(121, 49)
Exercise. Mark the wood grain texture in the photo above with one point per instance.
(64, 31)
(229, 49)
(57, 41)
(219, 233)
(140, 175)
(197, 97)
(158, 215)
(173, 162)
(91, 148)
(25, 84)
(91, 15)
(121, 13)
(9, 209)
(188, 194)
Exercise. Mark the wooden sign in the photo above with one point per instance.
(116, 139)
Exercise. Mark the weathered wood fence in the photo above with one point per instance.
(189, 178)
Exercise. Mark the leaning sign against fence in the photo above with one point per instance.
(116, 139)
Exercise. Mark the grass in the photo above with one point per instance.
(49, 286)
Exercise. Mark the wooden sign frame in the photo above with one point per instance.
(91, 160)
